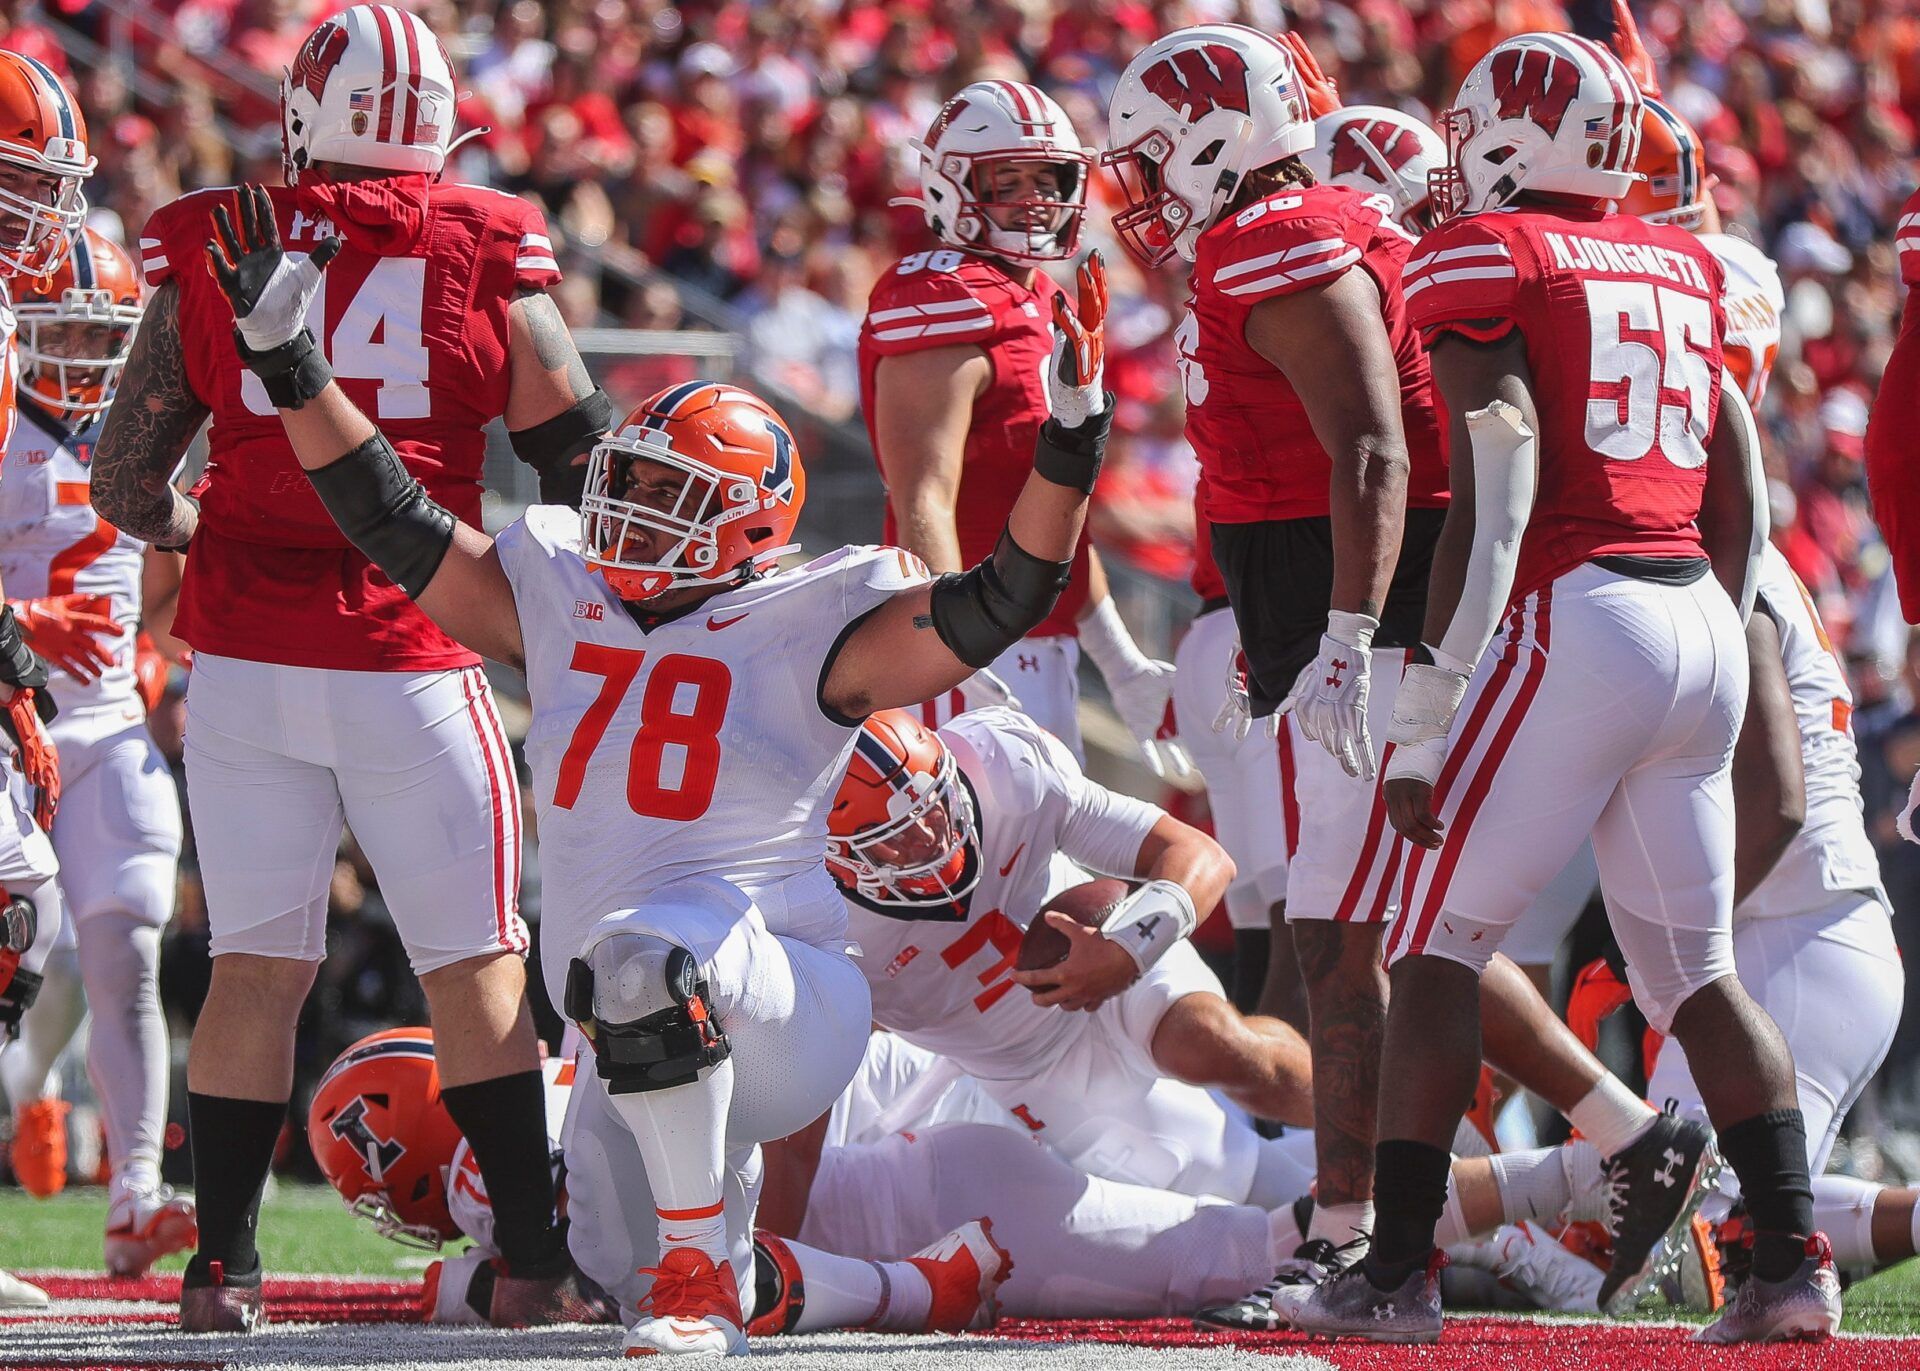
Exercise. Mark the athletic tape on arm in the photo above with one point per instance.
(1504, 476)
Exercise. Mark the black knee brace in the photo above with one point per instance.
(19, 925)
(667, 1048)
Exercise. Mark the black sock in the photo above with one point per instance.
(504, 1121)
(1250, 951)
(1769, 1154)
(1409, 1195)
(233, 1142)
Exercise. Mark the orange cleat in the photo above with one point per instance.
(692, 1310)
(40, 1147)
(965, 1269)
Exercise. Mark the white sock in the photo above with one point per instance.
(1452, 1227)
(1581, 1161)
(1843, 1210)
(844, 1292)
(1612, 1117)
(1534, 1185)
(1340, 1224)
(681, 1133)
(1284, 1234)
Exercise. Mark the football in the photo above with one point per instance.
(1045, 946)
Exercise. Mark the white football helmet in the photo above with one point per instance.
(987, 124)
(1193, 114)
(1381, 151)
(1549, 112)
(372, 87)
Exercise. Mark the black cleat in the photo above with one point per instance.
(1654, 1187)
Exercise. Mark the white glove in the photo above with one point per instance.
(1237, 711)
(1329, 697)
(1904, 824)
(1141, 688)
(269, 288)
(984, 688)
(1423, 710)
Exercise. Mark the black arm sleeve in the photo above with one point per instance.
(386, 513)
(553, 447)
(982, 612)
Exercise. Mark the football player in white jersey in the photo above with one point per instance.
(945, 846)
(693, 708)
(75, 583)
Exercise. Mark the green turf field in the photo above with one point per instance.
(304, 1229)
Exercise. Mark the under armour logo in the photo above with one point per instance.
(1337, 667)
(1028, 663)
(1669, 1172)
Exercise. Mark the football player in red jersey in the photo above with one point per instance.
(695, 704)
(320, 693)
(1308, 405)
(951, 355)
(1602, 526)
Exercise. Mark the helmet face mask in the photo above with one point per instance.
(700, 487)
(988, 135)
(43, 165)
(76, 328)
(922, 855)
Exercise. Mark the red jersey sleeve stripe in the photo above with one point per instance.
(932, 307)
(1238, 269)
(967, 325)
(1466, 252)
(1409, 289)
(1294, 276)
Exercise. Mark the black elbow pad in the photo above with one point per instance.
(982, 612)
(386, 513)
(553, 448)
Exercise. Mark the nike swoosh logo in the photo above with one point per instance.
(715, 625)
(1014, 858)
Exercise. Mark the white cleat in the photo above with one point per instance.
(965, 1270)
(146, 1225)
(1544, 1271)
(693, 1310)
(18, 1294)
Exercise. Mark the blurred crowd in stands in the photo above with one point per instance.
(741, 165)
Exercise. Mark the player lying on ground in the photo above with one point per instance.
(689, 925)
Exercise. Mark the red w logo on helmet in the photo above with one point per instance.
(1196, 81)
(1394, 146)
(1532, 83)
(318, 57)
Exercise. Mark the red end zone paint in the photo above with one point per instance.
(1494, 1344)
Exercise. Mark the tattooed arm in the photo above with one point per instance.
(554, 415)
(154, 418)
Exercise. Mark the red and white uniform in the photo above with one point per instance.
(1261, 464)
(947, 298)
(320, 693)
(1893, 428)
(1614, 687)
(1249, 780)
(1084, 1083)
(1754, 303)
(682, 775)
(1259, 459)
(1813, 942)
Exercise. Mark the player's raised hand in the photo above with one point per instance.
(268, 288)
(1076, 379)
(1632, 52)
(1323, 95)
(73, 632)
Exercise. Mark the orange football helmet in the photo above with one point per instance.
(902, 832)
(43, 162)
(701, 485)
(383, 1137)
(1673, 165)
(76, 327)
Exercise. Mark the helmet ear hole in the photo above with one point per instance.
(1208, 155)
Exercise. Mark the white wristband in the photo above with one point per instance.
(1151, 920)
(1355, 630)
